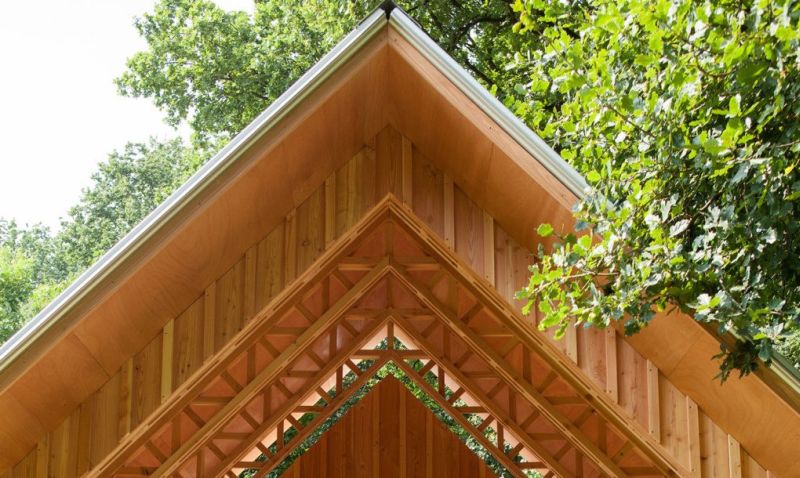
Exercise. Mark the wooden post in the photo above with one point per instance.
(653, 409)
(612, 387)
(449, 212)
(167, 340)
(407, 171)
(693, 417)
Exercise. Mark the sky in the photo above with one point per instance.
(60, 113)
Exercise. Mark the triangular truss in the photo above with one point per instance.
(388, 430)
(322, 400)
(390, 272)
(414, 367)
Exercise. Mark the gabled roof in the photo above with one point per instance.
(216, 167)
(386, 72)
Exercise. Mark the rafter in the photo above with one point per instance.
(303, 342)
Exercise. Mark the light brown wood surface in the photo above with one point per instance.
(134, 345)
(406, 433)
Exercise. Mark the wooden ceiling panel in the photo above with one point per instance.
(173, 267)
(18, 428)
(482, 158)
(54, 385)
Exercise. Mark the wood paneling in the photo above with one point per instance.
(407, 435)
(135, 390)
(272, 213)
(172, 266)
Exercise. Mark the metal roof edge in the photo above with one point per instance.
(186, 193)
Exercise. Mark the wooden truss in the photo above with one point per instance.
(324, 401)
(389, 276)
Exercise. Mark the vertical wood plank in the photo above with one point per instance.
(429, 446)
(402, 431)
(449, 211)
(167, 341)
(290, 247)
(407, 172)
(310, 230)
(734, 458)
(653, 413)
(672, 410)
(632, 381)
(43, 456)
(88, 414)
(376, 433)
(714, 447)
(469, 234)
(427, 185)
(571, 343)
(270, 268)
(209, 315)
(146, 381)
(229, 304)
(693, 424)
(389, 153)
(188, 342)
(250, 263)
(330, 209)
(125, 397)
(488, 248)
(612, 387)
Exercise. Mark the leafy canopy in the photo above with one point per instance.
(681, 114)
(684, 117)
(36, 264)
(218, 69)
(215, 70)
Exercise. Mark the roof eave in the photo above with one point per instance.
(186, 194)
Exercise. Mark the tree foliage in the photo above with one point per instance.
(681, 114)
(16, 284)
(36, 264)
(684, 117)
(218, 69)
(124, 190)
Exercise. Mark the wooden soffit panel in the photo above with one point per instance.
(169, 272)
(484, 160)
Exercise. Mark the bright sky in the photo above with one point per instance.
(60, 113)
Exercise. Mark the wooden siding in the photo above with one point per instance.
(411, 441)
(264, 269)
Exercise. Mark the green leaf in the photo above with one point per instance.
(544, 230)
(734, 105)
